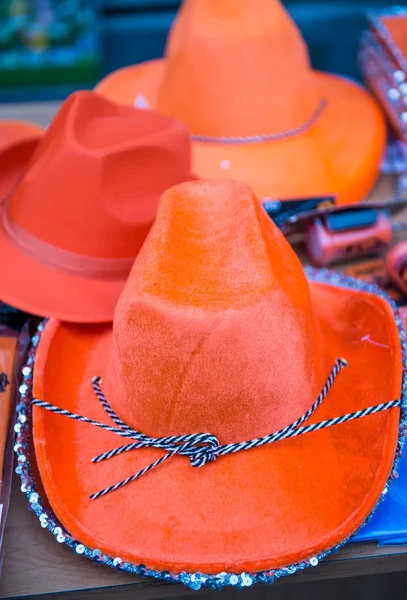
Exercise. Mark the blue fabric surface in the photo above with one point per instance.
(389, 522)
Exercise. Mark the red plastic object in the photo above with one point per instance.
(326, 247)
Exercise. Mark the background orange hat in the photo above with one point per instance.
(71, 230)
(218, 332)
(18, 140)
(237, 72)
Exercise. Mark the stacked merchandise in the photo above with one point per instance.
(195, 405)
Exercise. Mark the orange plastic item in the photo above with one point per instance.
(326, 247)
(13, 345)
(218, 330)
(7, 356)
(372, 271)
(239, 71)
(70, 232)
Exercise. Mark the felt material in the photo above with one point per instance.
(73, 226)
(18, 140)
(241, 68)
(227, 277)
(218, 330)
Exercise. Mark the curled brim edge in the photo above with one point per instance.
(195, 581)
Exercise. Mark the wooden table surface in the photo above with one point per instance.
(35, 564)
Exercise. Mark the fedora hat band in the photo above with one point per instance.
(264, 138)
(58, 259)
(202, 448)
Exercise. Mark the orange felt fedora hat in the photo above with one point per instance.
(237, 72)
(71, 230)
(18, 140)
(210, 436)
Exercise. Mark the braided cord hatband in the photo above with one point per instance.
(202, 448)
(264, 138)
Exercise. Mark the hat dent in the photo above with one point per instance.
(249, 51)
(98, 175)
(215, 295)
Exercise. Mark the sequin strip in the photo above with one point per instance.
(261, 139)
(202, 448)
(198, 580)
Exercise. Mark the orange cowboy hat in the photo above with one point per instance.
(71, 230)
(153, 438)
(18, 140)
(237, 72)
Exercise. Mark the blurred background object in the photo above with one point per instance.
(136, 30)
(47, 43)
(48, 48)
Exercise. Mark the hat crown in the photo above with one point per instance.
(214, 331)
(18, 140)
(94, 182)
(237, 68)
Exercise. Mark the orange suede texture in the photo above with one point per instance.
(91, 189)
(207, 267)
(217, 308)
(241, 68)
(18, 140)
(108, 166)
(222, 50)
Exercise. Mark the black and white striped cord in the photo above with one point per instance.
(201, 448)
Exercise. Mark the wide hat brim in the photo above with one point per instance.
(247, 517)
(37, 289)
(30, 280)
(340, 154)
(25, 283)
